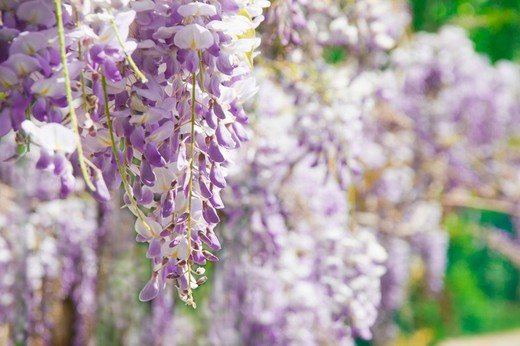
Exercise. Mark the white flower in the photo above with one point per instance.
(182, 249)
(193, 36)
(197, 9)
(153, 229)
(48, 87)
(53, 137)
(107, 35)
(164, 177)
(232, 25)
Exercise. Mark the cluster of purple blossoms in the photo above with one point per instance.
(201, 63)
(67, 268)
(368, 29)
(341, 125)
(439, 136)
(147, 94)
(298, 244)
(457, 100)
(346, 119)
(48, 247)
(285, 19)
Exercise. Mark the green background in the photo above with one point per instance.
(493, 25)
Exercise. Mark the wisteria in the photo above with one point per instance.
(57, 257)
(324, 184)
(73, 88)
(348, 122)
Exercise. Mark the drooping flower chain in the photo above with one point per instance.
(160, 121)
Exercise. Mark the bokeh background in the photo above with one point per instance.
(482, 285)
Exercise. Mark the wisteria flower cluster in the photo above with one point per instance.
(147, 94)
(333, 294)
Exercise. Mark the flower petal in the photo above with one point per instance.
(197, 9)
(193, 36)
(150, 290)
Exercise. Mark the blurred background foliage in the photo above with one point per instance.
(482, 291)
(494, 25)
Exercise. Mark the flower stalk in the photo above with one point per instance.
(190, 301)
(68, 92)
(131, 62)
(120, 167)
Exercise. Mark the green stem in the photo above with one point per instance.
(82, 76)
(200, 72)
(116, 156)
(190, 184)
(131, 62)
(68, 92)
(83, 94)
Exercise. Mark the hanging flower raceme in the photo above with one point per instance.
(149, 95)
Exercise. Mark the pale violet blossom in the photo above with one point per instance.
(193, 36)
(197, 9)
(52, 136)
